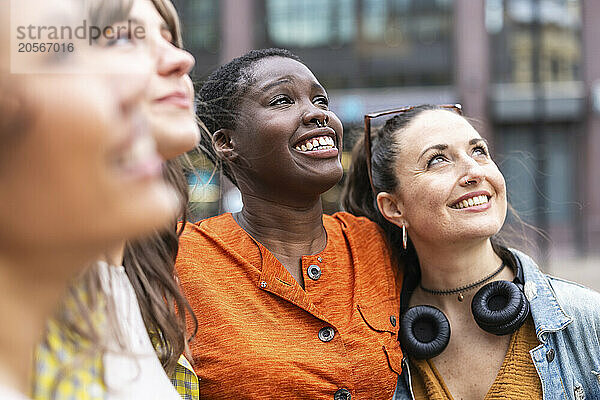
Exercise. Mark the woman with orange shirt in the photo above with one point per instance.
(293, 303)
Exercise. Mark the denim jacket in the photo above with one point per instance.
(567, 324)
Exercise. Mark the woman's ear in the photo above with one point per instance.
(223, 144)
(391, 208)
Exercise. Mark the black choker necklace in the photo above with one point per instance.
(465, 288)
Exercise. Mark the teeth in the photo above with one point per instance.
(473, 201)
(320, 143)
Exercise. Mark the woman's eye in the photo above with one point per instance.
(436, 159)
(120, 39)
(322, 101)
(280, 100)
(480, 151)
(167, 36)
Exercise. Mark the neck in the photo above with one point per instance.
(32, 284)
(285, 230)
(115, 255)
(453, 266)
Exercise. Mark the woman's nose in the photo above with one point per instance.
(174, 61)
(315, 115)
(473, 173)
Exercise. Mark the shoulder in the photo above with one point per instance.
(212, 225)
(576, 300)
(366, 240)
(362, 234)
(358, 225)
(205, 234)
(218, 243)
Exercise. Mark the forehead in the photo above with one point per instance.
(145, 11)
(37, 12)
(271, 70)
(434, 127)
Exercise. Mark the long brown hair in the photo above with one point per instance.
(150, 262)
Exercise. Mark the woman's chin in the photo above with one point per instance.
(156, 210)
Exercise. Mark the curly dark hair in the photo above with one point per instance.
(219, 97)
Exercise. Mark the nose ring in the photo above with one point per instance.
(321, 124)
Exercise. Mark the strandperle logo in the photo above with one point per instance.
(84, 31)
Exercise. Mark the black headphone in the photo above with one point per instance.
(499, 307)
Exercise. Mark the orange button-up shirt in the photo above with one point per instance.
(262, 336)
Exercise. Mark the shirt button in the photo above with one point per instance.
(326, 334)
(263, 284)
(393, 320)
(342, 394)
(550, 355)
(314, 272)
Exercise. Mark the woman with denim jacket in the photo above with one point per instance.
(478, 320)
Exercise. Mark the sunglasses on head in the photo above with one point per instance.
(368, 117)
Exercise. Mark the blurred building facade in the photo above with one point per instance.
(528, 71)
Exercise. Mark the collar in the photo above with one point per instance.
(547, 313)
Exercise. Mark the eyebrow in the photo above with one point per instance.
(289, 79)
(136, 21)
(445, 146)
(475, 141)
(285, 79)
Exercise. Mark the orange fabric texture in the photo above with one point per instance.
(516, 380)
(262, 336)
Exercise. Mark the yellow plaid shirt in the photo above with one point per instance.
(66, 367)
(84, 379)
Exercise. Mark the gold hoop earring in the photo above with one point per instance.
(404, 237)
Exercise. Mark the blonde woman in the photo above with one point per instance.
(78, 169)
(148, 261)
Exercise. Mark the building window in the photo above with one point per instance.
(310, 23)
(200, 20)
(522, 30)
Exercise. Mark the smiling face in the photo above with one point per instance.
(284, 151)
(85, 173)
(449, 190)
(170, 91)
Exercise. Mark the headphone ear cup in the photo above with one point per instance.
(500, 307)
(424, 332)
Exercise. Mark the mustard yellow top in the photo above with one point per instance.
(516, 380)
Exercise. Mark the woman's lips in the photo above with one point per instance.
(140, 160)
(177, 99)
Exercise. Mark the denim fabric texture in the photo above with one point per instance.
(566, 316)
